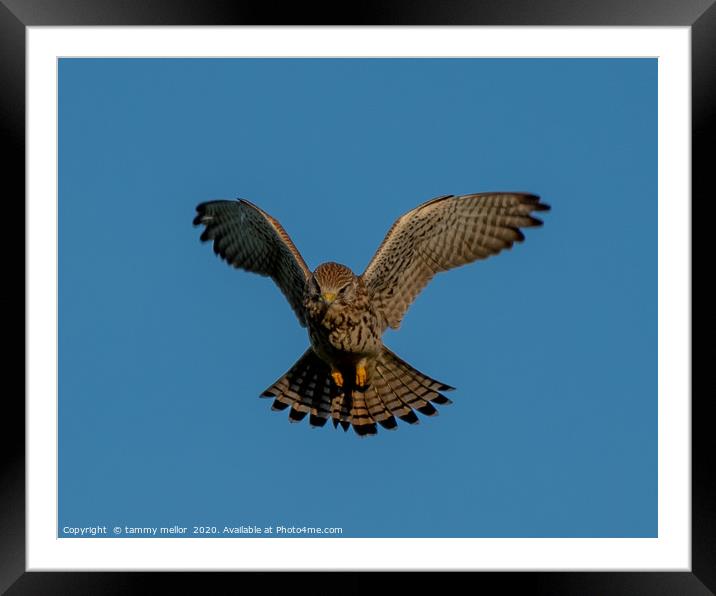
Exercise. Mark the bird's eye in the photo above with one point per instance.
(342, 290)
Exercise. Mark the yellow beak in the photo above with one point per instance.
(328, 297)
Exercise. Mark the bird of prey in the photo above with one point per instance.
(347, 374)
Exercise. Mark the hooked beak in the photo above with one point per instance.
(328, 297)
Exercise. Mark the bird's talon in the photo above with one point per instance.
(361, 376)
(337, 378)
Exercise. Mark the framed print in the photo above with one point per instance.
(566, 453)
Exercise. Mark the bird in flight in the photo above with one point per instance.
(347, 374)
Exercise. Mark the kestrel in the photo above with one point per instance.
(347, 374)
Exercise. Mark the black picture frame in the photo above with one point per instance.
(16, 15)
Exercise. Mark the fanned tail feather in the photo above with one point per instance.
(396, 390)
(307, 389)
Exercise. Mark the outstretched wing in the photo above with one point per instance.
(441, 234)
(250, 239)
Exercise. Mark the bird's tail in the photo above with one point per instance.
(396, 390)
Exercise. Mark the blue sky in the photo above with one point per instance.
(164, 349)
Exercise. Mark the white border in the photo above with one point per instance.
(670, 551)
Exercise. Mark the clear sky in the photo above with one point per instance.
(164, 349)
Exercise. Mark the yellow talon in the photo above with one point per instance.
(337, 378)
(361, 376)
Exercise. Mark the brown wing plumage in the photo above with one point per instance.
(249, 238)
(441, 234)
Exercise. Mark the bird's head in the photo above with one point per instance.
(332, 283)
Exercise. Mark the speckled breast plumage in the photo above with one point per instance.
(343, 334)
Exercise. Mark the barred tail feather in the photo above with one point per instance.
(307, 389)
(404, 389)
(396, 390)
